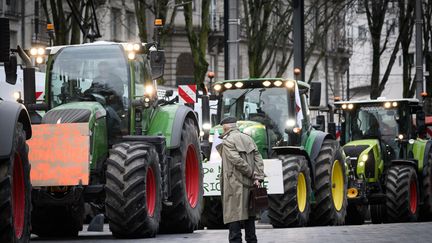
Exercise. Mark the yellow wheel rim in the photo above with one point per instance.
(337, 181)
(301, 192)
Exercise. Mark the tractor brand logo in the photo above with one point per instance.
(187, 93)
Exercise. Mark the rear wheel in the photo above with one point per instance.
(212, 216)
(330, 186)
(186, 179)
(133, 190)
(356, 214)
(293, 207)
(426, 209)
(402, 194)
(15, 191)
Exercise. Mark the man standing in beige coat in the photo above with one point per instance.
(242, 168)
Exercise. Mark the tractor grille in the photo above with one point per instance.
(354, 152)
(66, 116)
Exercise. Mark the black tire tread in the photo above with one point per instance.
(324, 212)
(126, 173)
(283, 208)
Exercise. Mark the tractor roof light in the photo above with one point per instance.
(277, 83)
(266, 83)
(394, 104)
(238, 84)
(228, 85)
(33, 51)
(401, 136)
(41, 51)
(344, 106)
(387, 105)
(158, 22)
(297, 71)
(350, 106)
(217, 87)
(290, 84)
(136, 47)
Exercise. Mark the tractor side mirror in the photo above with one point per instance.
(421, 123)
(169, 93)
(315, 94)
(157, 63)
(11, 70)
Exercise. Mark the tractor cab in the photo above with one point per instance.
(388, 121)
(272, 110)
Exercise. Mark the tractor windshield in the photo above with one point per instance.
(268, 106)
(79, 71)
(374, 122)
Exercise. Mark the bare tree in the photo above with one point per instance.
(376, 10)
(161, 9)
(64, 23)
(198, 38)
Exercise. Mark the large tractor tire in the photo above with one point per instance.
(330, 186)
(186, 179)
(356, 214)
(292, 208)
(58, 221)
(133, 190)
(212, 216)
(426, 209)
(402, 192)
(15, 190)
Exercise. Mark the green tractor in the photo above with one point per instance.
(389, 162)
(107, 140)
(275, 113)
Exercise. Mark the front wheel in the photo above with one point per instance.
(186, 179)
(292, 208)
(15, 190)
(133, 190)
(330, 186)
(426, 209)
(402, 204)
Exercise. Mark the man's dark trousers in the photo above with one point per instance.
(235, 235)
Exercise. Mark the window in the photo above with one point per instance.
(116, 24)
(131, 25)
(362, 32)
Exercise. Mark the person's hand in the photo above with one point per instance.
(257, 183)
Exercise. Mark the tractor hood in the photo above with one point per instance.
(254, 129)
(75, 112)
(364, 156)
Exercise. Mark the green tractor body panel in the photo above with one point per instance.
(162, 122)
(254, 129)
(97, 126)
(365, 152)
(418, 150)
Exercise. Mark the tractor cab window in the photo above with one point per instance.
(142, 75)
(91, 73)
(267, 106)
(375, 122)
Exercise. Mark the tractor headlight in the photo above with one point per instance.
(239, 84)
(206, 126)
(364, 157)
(149, 90)
(131, 55)
(277, 83)
(290, 84)
(291, 123)
(344, 106)
(228, 85)
(350, 106)
(266, 83)
(401, 136)
(217, 87)
(17, 95)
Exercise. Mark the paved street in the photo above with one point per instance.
(407, 232)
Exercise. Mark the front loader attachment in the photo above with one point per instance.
(60, 154)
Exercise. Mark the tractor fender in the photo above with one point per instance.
(168, 122)
(427, 151)
(11, 113)
(314, 143)
(182, 113)
(412, 163)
